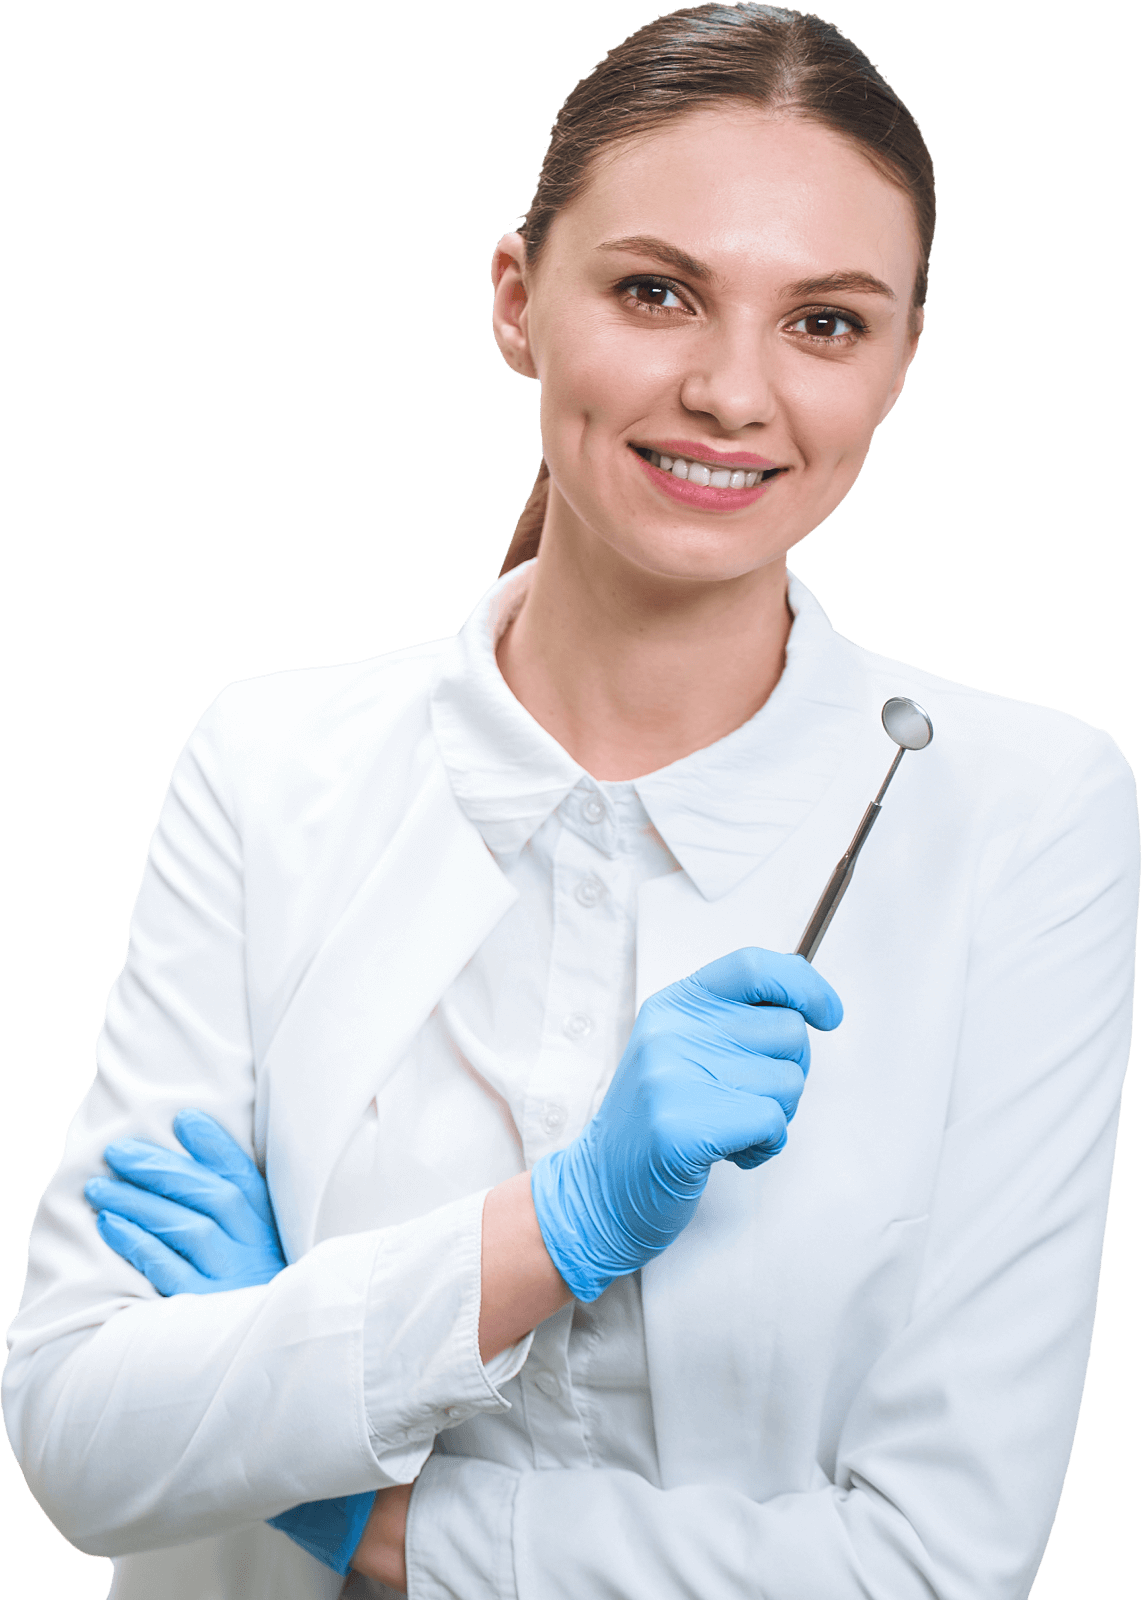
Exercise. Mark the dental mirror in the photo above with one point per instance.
(906, 723)
(909, 726)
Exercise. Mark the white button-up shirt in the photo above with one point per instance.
(516, 1058)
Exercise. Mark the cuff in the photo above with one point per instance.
(459, 1535)
(423, 1371)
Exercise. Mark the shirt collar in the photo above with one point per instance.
(721, 811)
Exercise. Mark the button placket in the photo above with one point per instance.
(553, 1419)
(581, 992)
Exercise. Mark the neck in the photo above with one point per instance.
(630, 670)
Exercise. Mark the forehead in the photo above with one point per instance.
(744, 191)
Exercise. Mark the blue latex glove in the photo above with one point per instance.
(713, 1071)
(194, 1223)
(199, 1223)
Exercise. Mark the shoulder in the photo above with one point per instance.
(1013, 793)
(316, 729)
(994, 741)
(317, 699)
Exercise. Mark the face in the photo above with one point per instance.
(718, 322)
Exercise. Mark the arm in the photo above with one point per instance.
(141, 1421)
(520, 1289)
(202, 1223)
(953, 1452)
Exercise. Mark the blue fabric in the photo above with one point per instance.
(714, 1069)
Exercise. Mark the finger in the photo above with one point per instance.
(773, 1031)
(763, 977)
(180, 1178)
(747, 1160)
(150, 1211)
(161, 1267)
(751, 1123)
(736, 1122)
(198, 1239)
(208, 1142)
(774, 1079)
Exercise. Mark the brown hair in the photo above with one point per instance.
(780, 60)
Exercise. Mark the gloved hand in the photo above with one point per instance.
(713, 1071)
(191, 1224)
(203, 1222)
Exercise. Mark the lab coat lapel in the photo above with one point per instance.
(432, 897)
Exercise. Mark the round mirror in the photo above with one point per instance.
(907, 723)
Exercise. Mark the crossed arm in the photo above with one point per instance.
(714, 1070)
(202, 1223)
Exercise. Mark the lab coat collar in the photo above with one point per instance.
(507, 773)
(721, 811)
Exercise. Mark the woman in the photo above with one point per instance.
(398, 917)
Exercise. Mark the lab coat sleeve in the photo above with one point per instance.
(142, 1422)
(952, 1456)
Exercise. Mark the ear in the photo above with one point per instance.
(509, 308)
(914, 333)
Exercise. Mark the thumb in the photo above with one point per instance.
(757, 977)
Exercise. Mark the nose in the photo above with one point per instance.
(731, 380)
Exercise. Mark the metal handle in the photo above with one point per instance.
(911, 728)
(827, 905)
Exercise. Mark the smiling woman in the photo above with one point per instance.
(736, 348)
(505, 1276)
(734, 58)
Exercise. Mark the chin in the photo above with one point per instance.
(698, 555)
(709, 560)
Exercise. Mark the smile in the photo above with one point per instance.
(703, 474)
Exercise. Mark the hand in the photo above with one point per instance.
(191, 1224)
(713, 1071)
(380, 1554)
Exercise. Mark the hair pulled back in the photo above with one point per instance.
(781, 61)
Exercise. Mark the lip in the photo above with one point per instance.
(697, 497)
(693, 451)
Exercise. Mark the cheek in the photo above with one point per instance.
(603, 374)
(833, 413)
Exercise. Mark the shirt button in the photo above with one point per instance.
(554, 1116)
(548, 1383)
(455, 1413)
(577, 1026)
(593, 809)
(589, 891)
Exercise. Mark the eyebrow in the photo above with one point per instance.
(669, 255)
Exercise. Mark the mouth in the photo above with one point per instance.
(703, 473)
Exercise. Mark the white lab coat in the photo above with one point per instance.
(865, 1357)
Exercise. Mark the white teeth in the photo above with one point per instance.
(707, 477)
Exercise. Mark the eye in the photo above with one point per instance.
(828, 326)
(652, 294)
